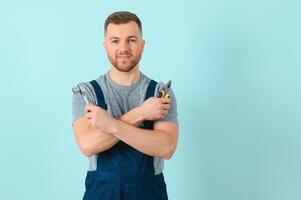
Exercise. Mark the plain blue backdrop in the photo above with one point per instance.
(235, 67)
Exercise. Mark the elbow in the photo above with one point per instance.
(168, 156)
(169, 152)
(89, 149)
(86, 147)
(86, 150)
(87, 153)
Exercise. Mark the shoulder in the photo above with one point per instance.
(89, 90)
(159, 85)
(144, 79)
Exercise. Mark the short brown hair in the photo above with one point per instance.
(122, 17)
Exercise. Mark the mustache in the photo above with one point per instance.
(125, 53)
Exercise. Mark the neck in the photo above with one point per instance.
(125, 78)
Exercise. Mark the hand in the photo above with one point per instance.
(154, 108)
(99, 118)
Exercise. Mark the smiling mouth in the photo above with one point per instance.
(124, 57)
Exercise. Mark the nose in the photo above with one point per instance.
(123, 46)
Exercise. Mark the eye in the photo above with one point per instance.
(114, 41)
(132, 41)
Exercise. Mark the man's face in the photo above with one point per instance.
(124, 45)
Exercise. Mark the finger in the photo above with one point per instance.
(165, 100)
(164, 112)
(88, 115)
(89, 108)
(165, 106)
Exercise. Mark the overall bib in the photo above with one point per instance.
(123, 173)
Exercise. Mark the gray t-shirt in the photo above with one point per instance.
(120, 100)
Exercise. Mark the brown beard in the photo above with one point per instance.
(118, 65)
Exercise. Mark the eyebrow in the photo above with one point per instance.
(116, 38)
(111, 38)
(132, 36)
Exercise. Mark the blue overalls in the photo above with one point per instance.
(123, 173)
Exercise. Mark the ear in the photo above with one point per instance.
(104, 44)
(143, 43)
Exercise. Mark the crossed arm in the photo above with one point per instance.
(92, 138)
(160, 142)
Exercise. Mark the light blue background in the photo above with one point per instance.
(235, 67)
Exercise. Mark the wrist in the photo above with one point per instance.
(139, 114)
(113, 128)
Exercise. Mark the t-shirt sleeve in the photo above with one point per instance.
(78, 102)
(172, 112)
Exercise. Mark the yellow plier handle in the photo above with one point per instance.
(164, 92)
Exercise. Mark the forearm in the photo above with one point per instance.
(150, 142)
(95, 141)
(134, 117)
(91, 140)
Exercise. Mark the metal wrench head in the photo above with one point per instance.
(81, 91)
(76, 90)
(167, 86)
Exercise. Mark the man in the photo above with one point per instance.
(126, 131)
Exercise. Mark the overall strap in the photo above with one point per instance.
(150, 92)
(99, 95)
